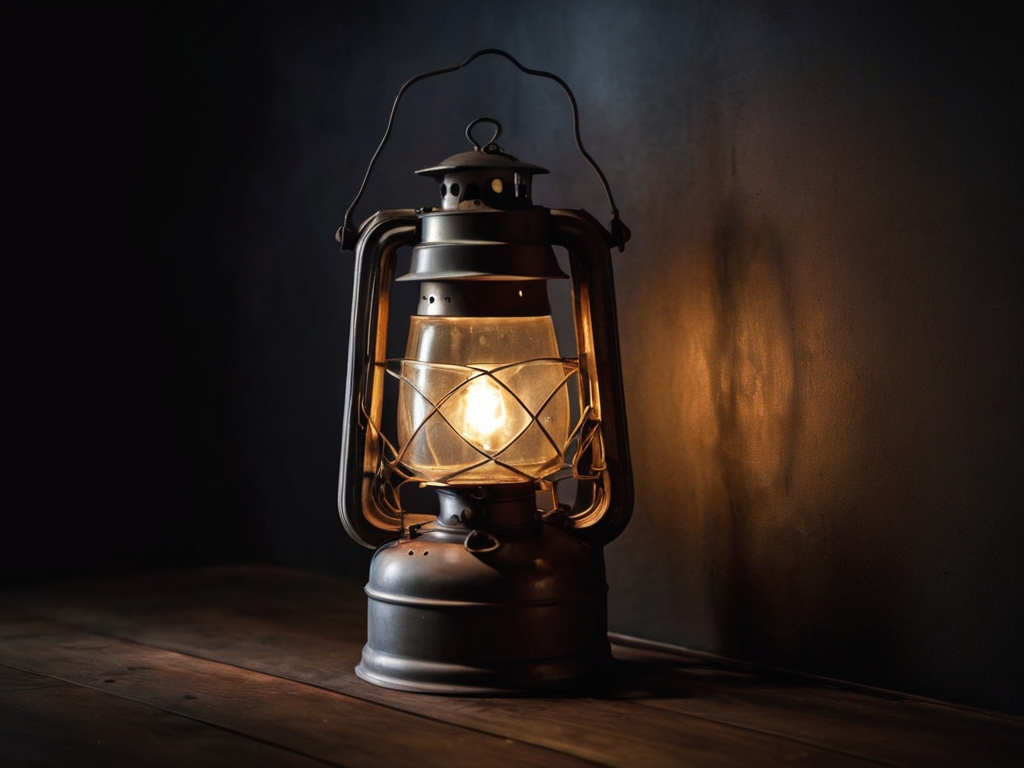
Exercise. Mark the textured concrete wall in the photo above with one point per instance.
(819, 308)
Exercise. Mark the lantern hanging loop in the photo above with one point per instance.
(619, 231)
(492, 143)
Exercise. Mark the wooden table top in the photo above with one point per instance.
(253, 666)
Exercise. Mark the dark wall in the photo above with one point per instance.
(819, 308)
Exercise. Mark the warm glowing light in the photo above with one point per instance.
(484, 418)
(458, 419)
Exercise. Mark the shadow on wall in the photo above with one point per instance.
(750, 358)
(777, 596)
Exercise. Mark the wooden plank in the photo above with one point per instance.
(168, 679)
(320, 724)
(53, 723)
(659, 712)
(890, 728)
(248, 631)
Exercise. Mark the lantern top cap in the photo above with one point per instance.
(485, 156)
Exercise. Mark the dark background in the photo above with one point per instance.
(820, 308)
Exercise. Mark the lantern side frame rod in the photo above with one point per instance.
(619, 234)
(365, 519)
(602, 509)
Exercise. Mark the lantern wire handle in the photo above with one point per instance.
(619, 231)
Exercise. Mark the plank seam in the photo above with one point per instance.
(193, 655)
(169, 711)
(795, 739)
(640, 643)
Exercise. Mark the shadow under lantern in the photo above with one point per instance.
(504, 589)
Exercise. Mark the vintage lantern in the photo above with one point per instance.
(503, 588)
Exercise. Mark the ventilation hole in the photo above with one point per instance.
(472, 191)
(455, 190)
(448, 299)
(444, 190)
(411, 552)
(424, 298)
(425, 552)
(431, 299)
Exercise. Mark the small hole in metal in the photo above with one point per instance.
(425, 552)
(410, 552)
(444, 190)
(448, 299)
(455, 190)
(431, 299)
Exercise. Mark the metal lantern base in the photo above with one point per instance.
(459, 610)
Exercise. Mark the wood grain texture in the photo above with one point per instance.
(300, 636)
(48, 722)
(250, 620)
(304, 719)
(887, 727)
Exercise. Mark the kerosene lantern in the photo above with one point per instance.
(503, 588)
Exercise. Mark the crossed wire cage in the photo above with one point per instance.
(561, 457)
